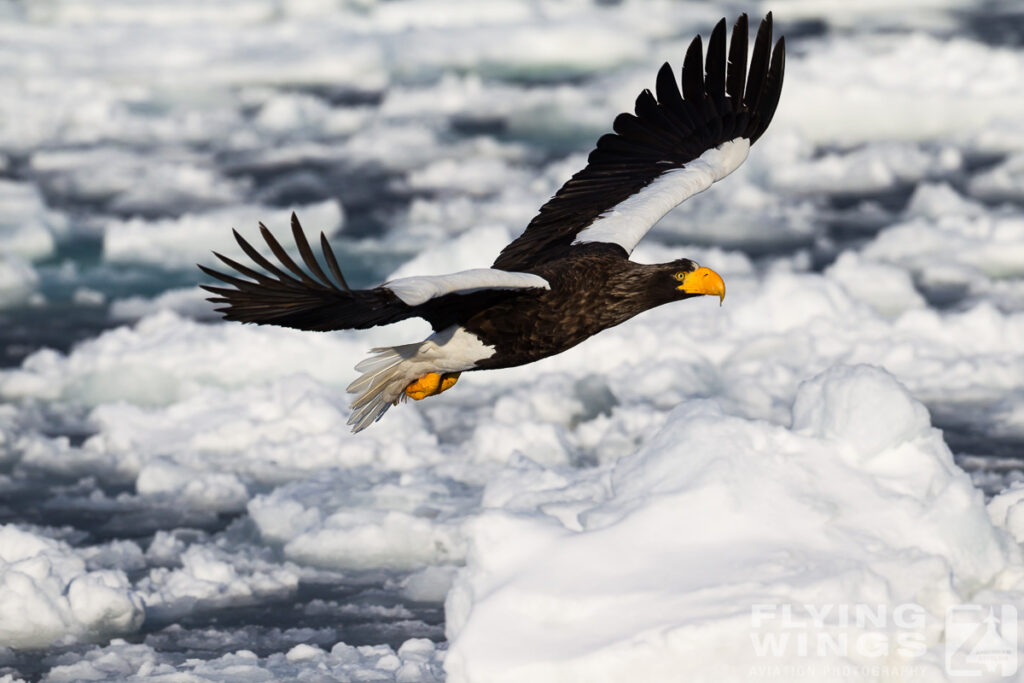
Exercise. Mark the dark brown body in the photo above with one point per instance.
(589, 293)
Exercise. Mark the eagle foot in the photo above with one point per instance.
(431, 384)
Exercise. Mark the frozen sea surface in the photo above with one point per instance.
(181, 497)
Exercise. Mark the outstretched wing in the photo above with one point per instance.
(311, 300)
(675, 146)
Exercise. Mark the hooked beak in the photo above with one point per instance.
(704, 281)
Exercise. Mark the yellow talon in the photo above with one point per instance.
(431, 384)
(425, 386)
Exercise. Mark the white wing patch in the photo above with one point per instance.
(414, 291)
(627, 222)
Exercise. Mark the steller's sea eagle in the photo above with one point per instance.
(568, 276)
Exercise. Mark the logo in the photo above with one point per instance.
(815, 641)
(981, 640)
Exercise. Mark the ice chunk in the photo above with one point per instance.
(1007, 511)
(213, 577)
(27, 227)
(429, 584)
(935, 200)
(47, 594)
(381, 521)
(888, 289)
(1003, 182)
(18, 281)
(216, 491)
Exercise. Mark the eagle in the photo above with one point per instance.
(568, 276)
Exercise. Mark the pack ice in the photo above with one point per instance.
(702, 494)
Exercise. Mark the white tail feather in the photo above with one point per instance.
(382, 384)
(391, 369)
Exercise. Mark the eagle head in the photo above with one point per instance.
(690, 279)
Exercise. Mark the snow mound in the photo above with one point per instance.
(47, 595)
(715, 526)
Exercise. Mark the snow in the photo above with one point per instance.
(210, 577)
(415, 661)
(132, 184)
(18, 280)
(28, 228)
(612, 513)
(1004, 181)
(870, 168)
(903, 86)
(703, 532)
(887, 289)
(1006, 511)
(187, 301)
(48, 595)
(170, 242)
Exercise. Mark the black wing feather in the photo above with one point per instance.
(758, 72)
(307, 302)
(693, 72)
(307, 253)
(260, 260)
(332, 263)
(736, 78)
(715, 65)
(286, 260)
(664, 133)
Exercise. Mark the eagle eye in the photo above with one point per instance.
(680, 276)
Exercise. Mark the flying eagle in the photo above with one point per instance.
(568, 276)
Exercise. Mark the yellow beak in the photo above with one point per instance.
(704, 281)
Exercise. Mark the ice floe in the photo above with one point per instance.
(48, 595)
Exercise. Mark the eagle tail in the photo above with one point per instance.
(385, 376)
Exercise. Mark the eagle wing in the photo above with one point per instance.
(311, 300)
(675, 146)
